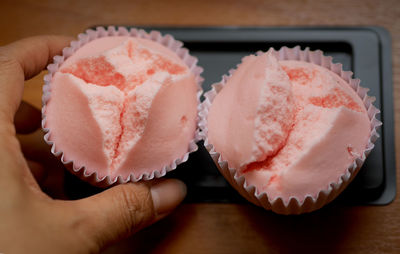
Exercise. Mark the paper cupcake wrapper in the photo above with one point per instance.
(166, 40)
(310, 202)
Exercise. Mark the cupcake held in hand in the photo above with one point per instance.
(122, 105)
(289, 129)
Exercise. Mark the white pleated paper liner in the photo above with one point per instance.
(166, 40)
(311, 202)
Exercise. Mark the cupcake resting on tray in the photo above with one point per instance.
(289, 129)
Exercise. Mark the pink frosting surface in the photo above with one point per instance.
(122, 105)
(289, 127)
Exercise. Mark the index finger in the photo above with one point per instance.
(22, 60)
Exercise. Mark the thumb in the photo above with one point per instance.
(125, 209)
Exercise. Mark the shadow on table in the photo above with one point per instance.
(224, 228)
(322, 231)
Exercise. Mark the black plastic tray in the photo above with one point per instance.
(364, 50)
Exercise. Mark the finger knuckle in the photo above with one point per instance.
(138, 203)
(7, 62)
(4, 59)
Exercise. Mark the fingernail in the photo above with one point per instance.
(167, 195)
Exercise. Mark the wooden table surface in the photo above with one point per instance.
(230, 228)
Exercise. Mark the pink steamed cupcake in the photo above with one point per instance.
(289, 129)
(121, 105)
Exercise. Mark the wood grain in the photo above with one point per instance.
(228, 228)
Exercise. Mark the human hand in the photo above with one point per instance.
(33, 222)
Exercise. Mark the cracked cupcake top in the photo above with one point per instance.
(289, 127)
(122, 105)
